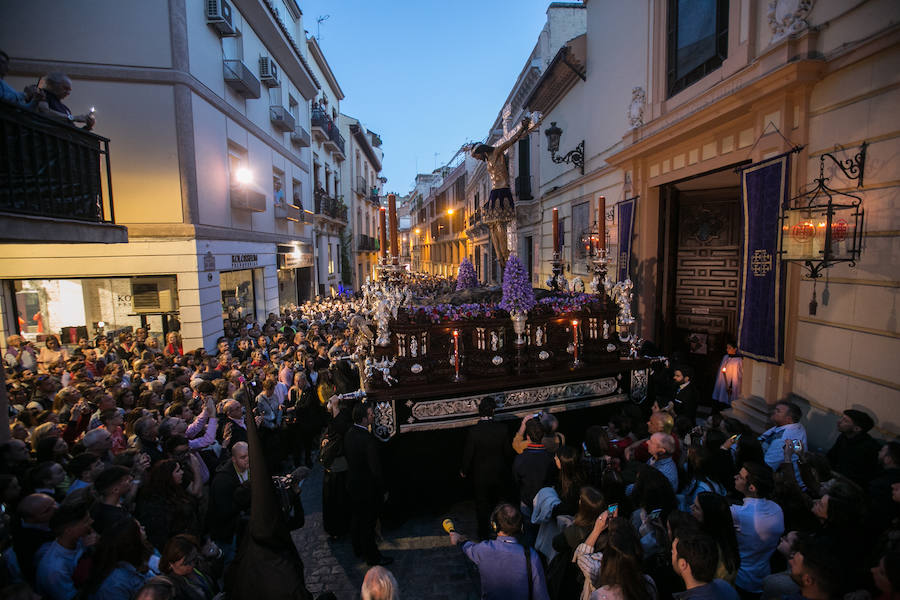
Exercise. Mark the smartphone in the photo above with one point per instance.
(797, 445)
(612, 509)
(735, 438)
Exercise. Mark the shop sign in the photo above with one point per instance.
(209, 262)
(244, 261)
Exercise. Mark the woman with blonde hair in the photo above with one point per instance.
(174, 345)
(379, 584)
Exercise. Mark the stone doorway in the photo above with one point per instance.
(701, 270)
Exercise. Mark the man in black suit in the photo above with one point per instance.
(366, 485)
(486, 460)
(229, 498)
(686, 397)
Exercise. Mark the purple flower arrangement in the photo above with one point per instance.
(517, 291)
(466, 277)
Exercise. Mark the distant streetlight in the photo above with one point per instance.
(450, 211)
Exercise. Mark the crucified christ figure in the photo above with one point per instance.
(495, 211)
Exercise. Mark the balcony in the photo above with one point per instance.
(335, 143)
(366, 243)
(300, 137)
(361, 187)
(248, 197)
(289, 212)
(241, 79)
(325, 131)
(55, 182)
(330, 207)
(281, 119)
(374, 198)
(320, 123)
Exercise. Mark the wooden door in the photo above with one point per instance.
(707, 279)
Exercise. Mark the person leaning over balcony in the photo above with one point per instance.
(28, 98)
(56, 87)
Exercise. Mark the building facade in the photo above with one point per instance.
(667, 123)
(207, 106)
(363, 172)
(328, 155)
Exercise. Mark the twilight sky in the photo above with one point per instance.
(427, 76)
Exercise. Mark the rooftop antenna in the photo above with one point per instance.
(319, 22)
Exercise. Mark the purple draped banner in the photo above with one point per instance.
(626, 228)
(764, 191)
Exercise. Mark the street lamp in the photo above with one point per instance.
(575, 157)
(243, 176)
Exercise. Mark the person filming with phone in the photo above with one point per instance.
(786, 419)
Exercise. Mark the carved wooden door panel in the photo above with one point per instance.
(707, 277)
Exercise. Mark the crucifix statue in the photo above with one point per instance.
(499, 212)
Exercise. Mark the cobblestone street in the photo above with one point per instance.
(425, 564)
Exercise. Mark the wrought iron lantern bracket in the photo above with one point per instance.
(831, 240)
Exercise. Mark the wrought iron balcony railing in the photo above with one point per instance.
(367, 243)
(49, 168)
(330, 207)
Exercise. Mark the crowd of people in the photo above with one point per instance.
(681, 509)
(127, 468)
(126, 475)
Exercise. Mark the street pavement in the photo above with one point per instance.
(425, 564)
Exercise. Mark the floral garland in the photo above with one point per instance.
(567, 302)
(449, 312)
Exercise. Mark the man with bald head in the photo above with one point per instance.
(229, 499)
(661, 447)
(659, 422)
(99, 443)
(56, 87)
(234, 430)
(32, 530)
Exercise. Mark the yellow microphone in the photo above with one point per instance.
(448, 526)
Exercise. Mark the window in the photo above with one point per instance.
(278, 186)
(581, 216)
(237, 159)
(330, 260)
(697, 41)
(297, 190)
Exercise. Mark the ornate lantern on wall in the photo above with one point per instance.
(575, 157)
(823, 227)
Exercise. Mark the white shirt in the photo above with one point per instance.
(758, 524)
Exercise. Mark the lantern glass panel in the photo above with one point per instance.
(804, 234)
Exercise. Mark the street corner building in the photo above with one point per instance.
(212, 186)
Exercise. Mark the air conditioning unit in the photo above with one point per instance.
(151, 295)
(268, 72)
(218, 14)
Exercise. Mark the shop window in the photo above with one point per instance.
(238, 292)
(696, 41)
(76, 308)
